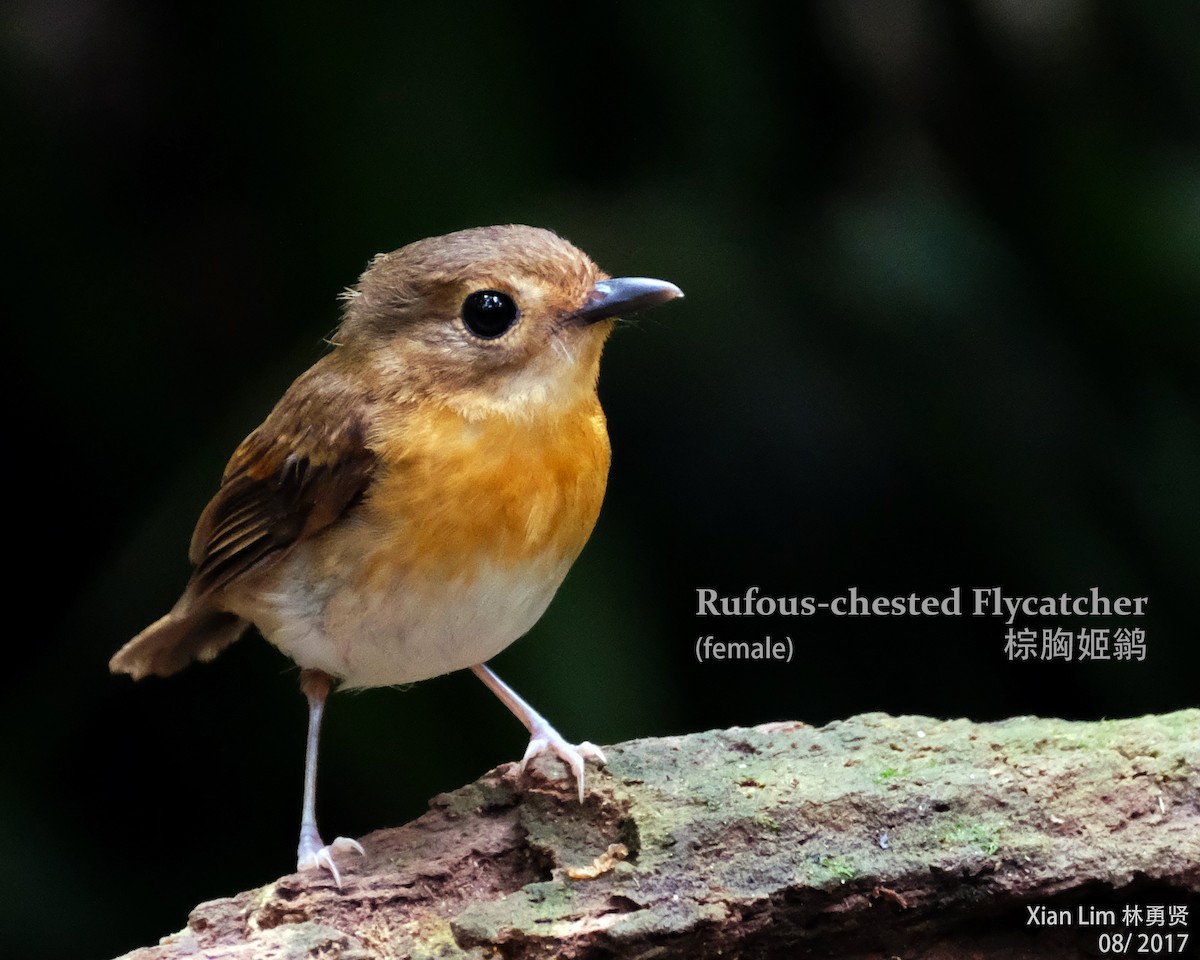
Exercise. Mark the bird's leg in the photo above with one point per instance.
(313, 853)
(543, 738)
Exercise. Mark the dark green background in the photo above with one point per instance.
(942, 266)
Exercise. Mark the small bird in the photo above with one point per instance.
(415, 499)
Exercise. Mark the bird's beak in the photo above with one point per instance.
(622, 296)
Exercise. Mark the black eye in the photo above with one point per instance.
(488, 313)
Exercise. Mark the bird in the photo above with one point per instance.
(415, 499)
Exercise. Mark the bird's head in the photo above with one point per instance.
(508, 319)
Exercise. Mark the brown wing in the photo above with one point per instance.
(293, 476)
(296, 474)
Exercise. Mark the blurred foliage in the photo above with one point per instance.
(943, 277)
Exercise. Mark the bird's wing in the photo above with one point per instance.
(295, 475)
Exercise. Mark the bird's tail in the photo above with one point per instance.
(185, 634)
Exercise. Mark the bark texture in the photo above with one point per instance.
(876, 836)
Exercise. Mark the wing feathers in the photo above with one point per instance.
(295, 475)
(298, 473)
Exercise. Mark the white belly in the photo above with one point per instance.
(401, 632)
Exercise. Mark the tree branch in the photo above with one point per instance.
(869, 837)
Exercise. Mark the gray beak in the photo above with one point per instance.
(623, 296)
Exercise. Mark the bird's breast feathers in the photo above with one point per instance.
(463, 537)
(510, 492)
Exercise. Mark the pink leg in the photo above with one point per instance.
(313, 853)
(543, 737)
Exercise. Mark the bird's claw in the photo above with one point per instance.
(549, 740)
(315, 855)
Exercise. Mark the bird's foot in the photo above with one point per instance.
(545, 739)
(315, 854)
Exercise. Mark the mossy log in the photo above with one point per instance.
(876, 836)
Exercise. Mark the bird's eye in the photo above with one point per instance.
(489, 313)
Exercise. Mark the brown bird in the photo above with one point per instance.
(411, 505)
